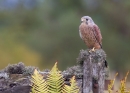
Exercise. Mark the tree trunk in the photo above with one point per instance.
(93, 70)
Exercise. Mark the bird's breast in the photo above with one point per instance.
(80, 34)
(87, 35)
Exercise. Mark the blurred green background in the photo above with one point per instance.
(41, 32)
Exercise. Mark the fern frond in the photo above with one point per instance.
(39, 85)
(73, 88)
(55, 80)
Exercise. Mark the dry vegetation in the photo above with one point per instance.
(122, 87)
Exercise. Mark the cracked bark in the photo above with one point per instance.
(93, 71)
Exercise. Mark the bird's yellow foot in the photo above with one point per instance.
(92, 50)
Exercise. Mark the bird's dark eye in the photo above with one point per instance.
(86, 19)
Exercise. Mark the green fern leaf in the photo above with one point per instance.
(39, 85)
(73, 88)
(55, 80)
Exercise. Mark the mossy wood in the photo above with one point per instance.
(89, 74)
(93, 70)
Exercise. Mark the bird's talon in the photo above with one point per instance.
(92, 50)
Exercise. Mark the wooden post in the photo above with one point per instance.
(87, 80)
(93, 70)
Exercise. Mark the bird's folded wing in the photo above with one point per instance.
(97, 34)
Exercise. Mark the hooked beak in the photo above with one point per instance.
(82, 20)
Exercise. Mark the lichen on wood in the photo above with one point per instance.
(89, 74)
(93, 70)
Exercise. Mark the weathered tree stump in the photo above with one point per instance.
(93, 70)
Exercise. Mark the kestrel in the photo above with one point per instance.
(90, 34)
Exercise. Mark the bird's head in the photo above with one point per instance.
(87, 20)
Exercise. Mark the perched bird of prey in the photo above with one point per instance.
(90, 34)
